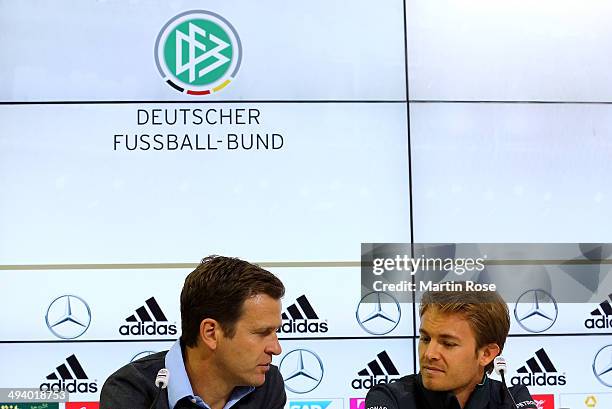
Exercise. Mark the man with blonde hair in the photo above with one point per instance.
(460, 335)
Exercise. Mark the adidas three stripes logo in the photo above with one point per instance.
(533, 365)
(64, 373)
(373, 368)
(143, 315)
(604, 307)
(305, 310)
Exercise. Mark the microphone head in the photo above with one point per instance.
(162, 378)
(500, 365)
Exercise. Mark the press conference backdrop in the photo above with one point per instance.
(323, 125)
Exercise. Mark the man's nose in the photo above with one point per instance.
(432, 352)
(274, 347)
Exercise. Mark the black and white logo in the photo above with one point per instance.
(301, 318)
(68, 316)
(602, 365)
(378, 313)
(302, 370)
(69, 377)
(601, 317)
(380, 370)
(141, 323)
(539, 371)
(536, 310)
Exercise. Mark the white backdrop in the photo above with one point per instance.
(508, 124)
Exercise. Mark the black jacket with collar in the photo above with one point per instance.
(133, 387)
(409, 393)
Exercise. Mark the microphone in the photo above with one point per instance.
(162, 378)
(161, 382)
(501, 367)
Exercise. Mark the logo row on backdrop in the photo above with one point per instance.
(69, 316)
(377, 313)
(303, 370)
(543, 401)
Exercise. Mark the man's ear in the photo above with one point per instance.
(210, 331)
(487, 354)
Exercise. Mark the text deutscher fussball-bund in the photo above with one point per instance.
(165, 129)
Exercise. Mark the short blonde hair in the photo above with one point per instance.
(486, 312)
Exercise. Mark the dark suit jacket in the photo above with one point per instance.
(133, 387)
(409, 393)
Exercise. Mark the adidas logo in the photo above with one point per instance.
(604, 312)
(142, 323)
(375, 374)
(69, 377)
(538, 372)
(301, 318)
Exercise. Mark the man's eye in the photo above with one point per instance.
(425, 339)
(449, 344)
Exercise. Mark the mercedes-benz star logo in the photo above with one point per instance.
(602, 365)
(536, 310)
(302, 370)
(68, 317)
(378, 313)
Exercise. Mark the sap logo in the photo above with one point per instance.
(72, 378)
(301, 318)
(532, 374)
(319, 404)
(142, 323)
(374, 374)
(602, 316)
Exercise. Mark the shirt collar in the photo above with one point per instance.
(478, 398)
(179, 386)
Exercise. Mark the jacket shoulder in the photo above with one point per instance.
(522, 397)
(274, 381)
(146, 367)
(519, 393)
(270, 395)
(133, 385)
(393, 395)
